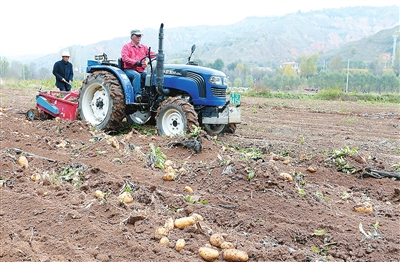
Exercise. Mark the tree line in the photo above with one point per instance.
(308, 72)
(378, 76)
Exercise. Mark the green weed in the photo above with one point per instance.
(73, 176)
(251, 154)
(321, 195)
(251, 173)
(301, 191)
(156, 157)
(302, 140)
(338, 157)
(192, 201)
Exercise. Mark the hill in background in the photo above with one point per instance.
(264, 40)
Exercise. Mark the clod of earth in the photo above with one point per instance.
(169, 224)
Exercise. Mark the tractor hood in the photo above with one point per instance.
(181, 70)
(205, 86)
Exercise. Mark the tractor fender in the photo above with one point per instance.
(122, 77)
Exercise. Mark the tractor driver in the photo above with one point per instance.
(63, 72)
(134, 65)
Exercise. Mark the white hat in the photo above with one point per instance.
(65, 53)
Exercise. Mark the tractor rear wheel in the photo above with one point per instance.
(102, 101)
(176, 116)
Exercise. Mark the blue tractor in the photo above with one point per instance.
(175, 97)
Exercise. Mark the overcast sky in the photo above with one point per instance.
(47, 26)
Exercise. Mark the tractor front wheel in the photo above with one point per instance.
(175, 116)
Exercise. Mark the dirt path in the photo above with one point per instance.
(49, 211)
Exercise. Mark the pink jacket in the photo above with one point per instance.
(131, 54)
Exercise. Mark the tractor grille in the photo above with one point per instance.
(199, 80)
(219, 92)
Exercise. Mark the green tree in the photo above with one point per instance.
(289, 71)
(308, 65)
(336, 65)
(378, 65)
(237, 82)
(4, 66)
(396, 62)
(353, 50)
(249, 81)
(232, 66)
(218, 64)
(390, 83)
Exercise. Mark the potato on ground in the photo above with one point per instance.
(161, 231)
(363, 208)
(125, 197)
(197, 217)
(235, 255)
(227, 245)
(287, 177)
(184, 222)
(216, 239)
(164, 241)
(170, 176)
(208, 253)
(22, 161)
(99, 194)
(180, 244)
(188, 189)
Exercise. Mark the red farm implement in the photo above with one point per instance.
(55, 104)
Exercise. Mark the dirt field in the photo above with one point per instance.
(49, 211)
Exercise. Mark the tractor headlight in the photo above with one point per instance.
(218, 80)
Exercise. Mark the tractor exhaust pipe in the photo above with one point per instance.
(160, 65)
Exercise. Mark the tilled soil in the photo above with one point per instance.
(49, 211)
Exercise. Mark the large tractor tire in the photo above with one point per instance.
(175, 116)
(102, 101)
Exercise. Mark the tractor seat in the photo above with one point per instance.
(120, 64)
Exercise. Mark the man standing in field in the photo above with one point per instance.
(63, 71)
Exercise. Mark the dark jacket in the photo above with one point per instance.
(62, 70)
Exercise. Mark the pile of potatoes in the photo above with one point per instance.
(170, 172)
(207, 252)
(229, 252)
